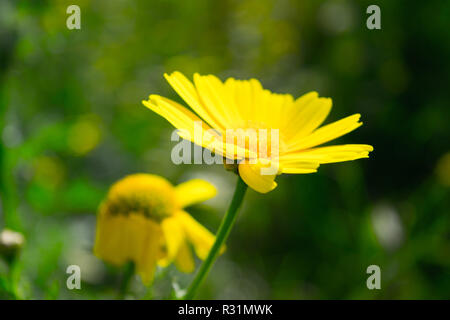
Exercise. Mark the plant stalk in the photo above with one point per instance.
(222, 235)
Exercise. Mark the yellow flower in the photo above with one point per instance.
(142, 220)
(245, 104)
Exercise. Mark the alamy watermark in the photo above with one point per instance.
(74, 20)
(374, 20)
(374, 280)
(74, 280)
(237, 146)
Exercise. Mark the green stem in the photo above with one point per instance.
(221, 237)
(7, 183)
(14, 274)
(127, 275)
(8, 193)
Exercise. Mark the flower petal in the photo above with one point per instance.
(198, 235)
(151, 252)
(121, 238)
(194, 191)
(298, 166)
(241, 92)
(192, 128)
(215, 98)
(326, 133)
(339, 153)
(182, 119)
(257, 105)
(188, 93)
(312, 112)
(251, 174)
(271, 109)
(174, 236)
(109, 238)
(184, 259)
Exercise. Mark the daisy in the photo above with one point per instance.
(245, 105)
(249, 111)
(142, 220)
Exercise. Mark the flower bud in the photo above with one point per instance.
(11, 242)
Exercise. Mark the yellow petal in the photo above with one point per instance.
(294, 110)
(201, 239)
(261, 102)
(192, 128)
(215, 97)
(312, 112)
(182, 119)
(109, 238)
(242, 94)
(279, 119)
(326, 133)
(174, 236)
(184, 260)
(257, 105)
(271, 109)
(146, 265)
(134, 234)
(298, 166)
(251, 174)
(121, 238)
(346, 152)
(188, 93)
(194, 191)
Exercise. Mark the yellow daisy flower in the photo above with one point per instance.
(142, 220)
(245, 104)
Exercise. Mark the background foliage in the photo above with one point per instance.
(72, 123)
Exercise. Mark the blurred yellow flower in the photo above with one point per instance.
(142, 220)
(245, 104)
(443, 169)
(84, 135)
(49, 171)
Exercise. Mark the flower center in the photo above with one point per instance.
(149, 195)
(257, 137)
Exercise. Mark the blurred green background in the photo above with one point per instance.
(72, 123)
